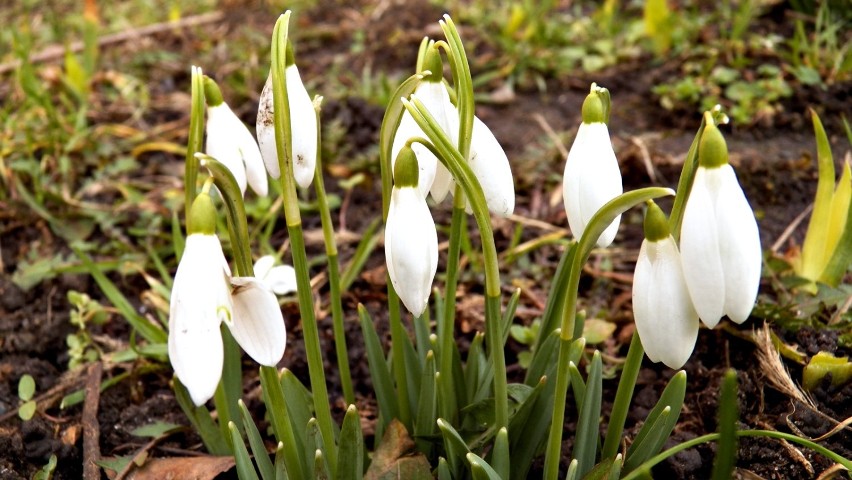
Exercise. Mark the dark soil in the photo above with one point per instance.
(774, 163)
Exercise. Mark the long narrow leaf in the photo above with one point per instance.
(480, 469)
(455, 446)
(588, 436)
(245, 468)
(258, 449)
(202, 422)
(426, 413)
(350, 455)
(276, 407)
(726, 453)
(500, 457)
(644, 447)
(379, 373)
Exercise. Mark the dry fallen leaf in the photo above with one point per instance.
(184, 468)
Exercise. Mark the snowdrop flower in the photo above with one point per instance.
(411, 241)
(720, 244)
(230, 142)
(592, 177)
(433, 175)
(303, 125)
(281, 279)
(202, 298)
(664, 315)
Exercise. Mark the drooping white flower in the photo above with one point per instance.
(720, 243)
(592, 177)
(411, 240)
(230, 142)
(281, 278)
(202, 298)
(434, 176)
(665, 318)
(303, 125)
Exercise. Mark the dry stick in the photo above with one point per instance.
(54, 52)
(91, 429)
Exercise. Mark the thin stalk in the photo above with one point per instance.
(494, 340)
(644, 470)
(554, 439)
(623, 396)
(448, 319)
(193, 146)
(283, 136)
(333, 274)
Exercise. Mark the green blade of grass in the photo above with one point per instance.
(379, 373)
(588, 423)
(351, 452)
(726, 453)
(245, 468)
(258, 449)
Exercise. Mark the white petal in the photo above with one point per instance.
(200, 301)
(739, 246)
(263, 265)
(571, 182)
(491, 167)
(257, 325)
(443, 183)
(699, 249)
(436, 99)
(427, 162)
(303, 119)
(223, 141)
(411, 248)
(601, 178)
(281, 279)
(265, 128)
(665, 318)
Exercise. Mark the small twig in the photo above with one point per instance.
(790, 229)
(54, 52)
(91, 429)
(646, 157)
(542, 122)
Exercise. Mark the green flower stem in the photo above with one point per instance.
(644, 470)
(333, 273)
(293, 219)
(623, 396)
(448, 319)
(446, 152)
(571, 328)
(196, 136)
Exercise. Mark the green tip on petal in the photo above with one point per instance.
(202, 217)
(712, 151)
(212, 94)
(290, 57)
(596, 105)
(406, 171)
(432, 62)
(656, 224)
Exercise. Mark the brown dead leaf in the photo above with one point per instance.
(185, 468)
(395, 457)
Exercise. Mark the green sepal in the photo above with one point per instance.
(712, 150)
(406, 171)
(290, 54)
(212, 93)
(202, 217)
(433, 63)
(596, 106)
(656, 223)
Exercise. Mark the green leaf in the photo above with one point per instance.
(245, 468)
(426, 413)
(597, 331)
(351, 453)
(621, 405)
(155, 430)
(116, 464)
(202, 422)
(369, 239)
(29, 274)
(455, 446)
(726, 452)
(500, 458)
(390, 123)
(379, 373)
(814, 255)
(658, 424)
(821, 365)
(26, 387)
(258, 448)
(588, 424)
(27, 410)
(480, 468)
(278, 410)
(841, 257)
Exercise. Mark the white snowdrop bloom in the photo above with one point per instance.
(592, 177)
(434, 176)
(719, 243)
(201, 299)
(281, 278)
(303, 125)
(230, 142)
(491, 167)
(411, 240)
(665, 318)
